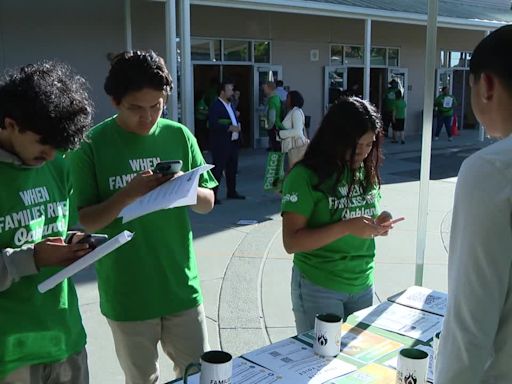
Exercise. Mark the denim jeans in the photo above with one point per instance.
(309, 299)
(447, 122)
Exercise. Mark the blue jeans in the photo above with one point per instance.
(447, 122)
(309, 299)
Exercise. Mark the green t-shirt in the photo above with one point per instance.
(346, 264)
(155, 274)
(389, 99)
(444, 104)
(274, 103)
(36, 327)
(399, 109)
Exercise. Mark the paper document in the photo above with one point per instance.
(245, 372)
(177, 192)
(423, 298)
(403, 320)
(85, 261)
(360, 344)
(369, 374)
(297, 363)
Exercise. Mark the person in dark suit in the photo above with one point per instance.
(224, 139)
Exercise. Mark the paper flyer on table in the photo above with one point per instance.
(245, 372)
(423, 298)
(400, 319)
(369, 374)
(178, 192)
(85, 261)
(297, 363)
(430, 375)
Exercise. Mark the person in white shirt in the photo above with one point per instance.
(293, 136)
(476, 341)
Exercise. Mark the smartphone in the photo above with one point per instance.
(93, 240)
(168, 168)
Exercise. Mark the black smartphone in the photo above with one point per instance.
(93, 240)
(168, 168)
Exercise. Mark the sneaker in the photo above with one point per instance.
(394, 141)
(436, 138)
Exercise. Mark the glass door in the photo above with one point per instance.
(401, 76)
(262, 74)
(335, 81)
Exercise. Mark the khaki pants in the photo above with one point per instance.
(73, 370)
(183, 337)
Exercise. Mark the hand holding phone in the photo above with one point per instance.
(168, 168)
(93, 240)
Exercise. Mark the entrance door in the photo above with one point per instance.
(241, 76)
(401, 76)
(262, 74)
(335, 81)
(444, 77)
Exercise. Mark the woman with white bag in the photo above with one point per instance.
(293, 137)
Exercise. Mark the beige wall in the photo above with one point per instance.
(79, 33)
(294, 35)
(82, 33)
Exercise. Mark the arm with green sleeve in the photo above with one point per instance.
(274, 112)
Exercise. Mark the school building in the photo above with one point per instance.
(314, 46)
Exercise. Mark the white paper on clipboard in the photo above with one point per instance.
(178, 192)
(85, 261)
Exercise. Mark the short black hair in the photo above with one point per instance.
(48, 99)
(133, 71)
(494, 55)
(222, 85)
(296, 99)
(279, 83)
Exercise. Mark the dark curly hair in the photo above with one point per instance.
(132, 71)
(331, 151)
(50, 100)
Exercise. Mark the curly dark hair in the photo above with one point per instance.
(331, 151)
(50, 100)
(132, 71)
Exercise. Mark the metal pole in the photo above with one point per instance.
(187, 88)
(428, 106)
(171, 55)
(128, 24)
(367, 53)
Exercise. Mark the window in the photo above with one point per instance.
(336, 57)
(237, 50)
(378, 56)
(354, 55)
(393, 57)
(261, 51)
(205, 49)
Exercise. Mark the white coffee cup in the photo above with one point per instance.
(215, 367)
(327, 334)
(412, 366)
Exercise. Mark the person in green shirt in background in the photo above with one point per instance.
(274, 114)
(149, 288)
(44, 108)
(389, 102)
(444, 104)
(399, 113)
(331, 214)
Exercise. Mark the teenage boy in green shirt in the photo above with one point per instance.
(149, 288)
(43, 108)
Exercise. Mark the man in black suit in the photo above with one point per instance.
(224, 138)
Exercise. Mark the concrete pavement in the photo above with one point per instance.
(245, 272)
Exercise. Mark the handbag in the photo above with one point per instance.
(299, 145)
